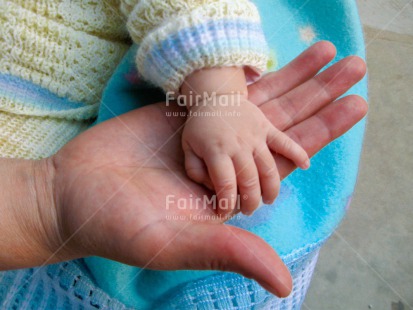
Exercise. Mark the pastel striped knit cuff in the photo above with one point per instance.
(175, 50)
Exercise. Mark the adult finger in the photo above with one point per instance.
(304, 100)
(319, 130)
(228, 248)
(302, 68)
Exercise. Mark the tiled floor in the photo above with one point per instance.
(368, 263)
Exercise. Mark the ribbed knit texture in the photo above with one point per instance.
(55, 59)
(178, 37)
(34, 122)
(68, 47)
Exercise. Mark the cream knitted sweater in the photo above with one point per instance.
(55, 58)
(57, 55)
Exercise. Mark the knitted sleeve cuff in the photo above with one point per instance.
(220, 33)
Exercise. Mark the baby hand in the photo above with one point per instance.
(227, 143)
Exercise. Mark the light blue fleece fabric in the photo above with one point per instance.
(311, 203)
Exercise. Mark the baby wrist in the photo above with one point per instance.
(210, 83)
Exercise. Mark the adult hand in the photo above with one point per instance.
(119, 187)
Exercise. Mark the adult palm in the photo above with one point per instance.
(112, 182)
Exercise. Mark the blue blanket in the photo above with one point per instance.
(311, 203)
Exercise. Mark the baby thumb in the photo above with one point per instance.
(228, 248)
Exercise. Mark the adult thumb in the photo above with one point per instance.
(228, 248)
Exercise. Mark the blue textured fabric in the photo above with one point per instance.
(311, 203)
(55, 287)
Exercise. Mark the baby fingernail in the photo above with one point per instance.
(307, 164)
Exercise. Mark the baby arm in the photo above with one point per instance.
(228, 142)
(177, 39)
